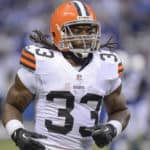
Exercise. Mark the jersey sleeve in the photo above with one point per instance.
(27, 72)
(28, 59)
(120, 69)
(111, 70)
(120, 66)
(114, 84)
(111, 65)
(28, 79)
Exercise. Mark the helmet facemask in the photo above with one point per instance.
(74, 40)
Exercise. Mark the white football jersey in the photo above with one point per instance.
(67, 99)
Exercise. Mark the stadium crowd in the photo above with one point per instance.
(127, 21)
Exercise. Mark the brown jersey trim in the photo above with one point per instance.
(27, 63)
(28, 55)
(120, 69)
(28, 59)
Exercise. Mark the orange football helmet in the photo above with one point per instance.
(69, 15)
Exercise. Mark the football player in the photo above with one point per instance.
(68, 83)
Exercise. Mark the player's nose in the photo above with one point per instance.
(83, 31)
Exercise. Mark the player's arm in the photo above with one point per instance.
(118, 118)
(116, 108)
(19, 96)
(18, 99)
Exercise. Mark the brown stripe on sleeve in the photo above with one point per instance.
(28, 59)
(120, 69)
(28, 55)
(27, 63)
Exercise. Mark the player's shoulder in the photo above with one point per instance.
(110, 63)
(109, 57)
(39, 52)
(33, 56)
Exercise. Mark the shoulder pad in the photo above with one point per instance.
(27, 58)
(111, 64)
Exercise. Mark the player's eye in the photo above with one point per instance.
(76, 30)
(92, 30)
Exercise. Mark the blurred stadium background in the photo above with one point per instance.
(128, 21)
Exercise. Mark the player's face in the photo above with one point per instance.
(82, 30)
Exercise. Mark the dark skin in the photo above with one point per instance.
(18, 98)
(116, 107)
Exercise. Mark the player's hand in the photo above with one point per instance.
(103, 134)
(26, 140)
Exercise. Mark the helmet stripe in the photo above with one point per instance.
(87, 13)
(78, 9)
(81, 8)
